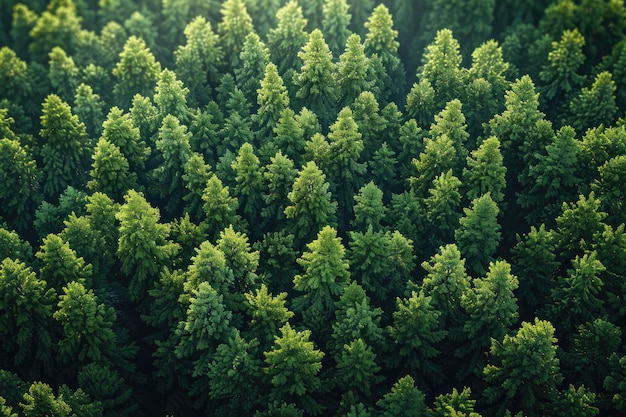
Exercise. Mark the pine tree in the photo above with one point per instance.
(65, 150)
(315, 81)
(371, 124)
(325, 274)
(63, 73)
(451, 122)
(609, 187)
(369, 209)
(287, 38)
(25, 318)
(311, 206)
(89, 108)
(357, 369)
(279, 176)
(443, 208)
(523, 368)
(254, 58)
(293, 365)
(121, 130)
(594, 106)
(353, 71)
(143, 246)
(438, 156)
(110, 172)
(19, 174)
(335, 24)
(108, 387)
(454, 404)
(485, 172)
(236, 24)
(478, 235)
(219, 207)
(195, 178)
(272, 100)
(267, 314)
(404, 400)
(60, 265)
(170, 96)
(137, 72)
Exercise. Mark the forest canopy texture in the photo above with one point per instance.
(277, 208)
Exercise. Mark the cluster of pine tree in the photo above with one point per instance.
(281, 208)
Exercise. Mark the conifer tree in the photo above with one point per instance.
(311, 206)
(315, 81)
(66, 140)
(287, 38)
(121, 129)
(63, 73)
(195, 178)
(143, 247)
(443, 209)
(478, 235)
(371, 124)
(170, 96)
(236, 24)
(369, 209)
(219, 207)
(594, 106)
(254, 58)
(335, 24)
(272, 100)
(89, 108)
(137, 72)
(485, 172)
(60, 265)
(289, 136)
(279, 176)
(438, 156)
(353, 71)
(110, 172)
(325, 274)
(108, 387)
(404, 400)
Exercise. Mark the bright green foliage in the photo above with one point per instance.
(441, 67)
(523, 368)
(287, 38)
(439, 155)
(63, 73)
(478, 235)
(239, 259)
(25, 311)
(382, 262)
(65, 151)
(446, 282)
(417, 330)
(267, 314)
(315, 81)
(107, 386)
(555, 178)
(219, 207)
(14, 76)
(5, 410)
(289, 136)
(87, 325)
(207, 322)
(491, 309)
(325, 275)
(485, 172)
(137, 71)
(355, 319)
(293, 364)
(560, 75)
(311, 207)
(370, 123)
(60, 265)
(357, 368)
(451, 122)
(110, 172)
(579, 401)
(353, 71)
(335, 24)
(49, 217)
(455, 404)
(249, 181)
(420, 102)
(57, 26)
(41, 401)
(121, 130)
(196, 176)
(145, 117)
(404, 400)
(18, 174)
(204, 127)
(170, 96)
(143, 247)
(381, 39)
(13, 247)
(610, 188)
(576, 297)
(254, 58)
(236, 24)
(598, 145)
(594, 106)
(534, 262)
(272, 100)
(579, 222)
(410, 146)
(443, 208)
(344, 170)
(369, 209)
(111, 43)
(237, 128)
(233, 373)
(279, 176)
(90, 109)
(173, 145)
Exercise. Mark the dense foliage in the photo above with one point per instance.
(320, 207)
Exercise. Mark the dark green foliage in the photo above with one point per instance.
(287, 38)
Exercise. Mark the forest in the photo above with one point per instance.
(294, 208)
